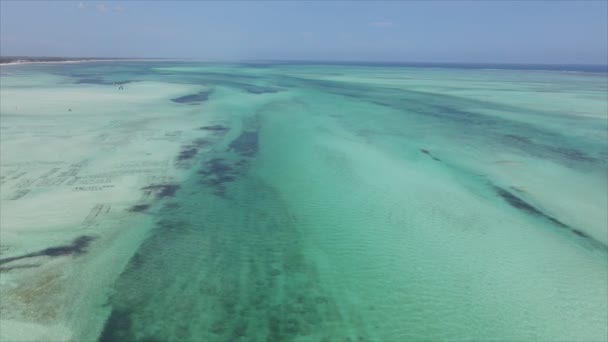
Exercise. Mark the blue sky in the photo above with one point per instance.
(431, 31)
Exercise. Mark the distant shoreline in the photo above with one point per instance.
(30, 59)
(53, 60)
(583, 68)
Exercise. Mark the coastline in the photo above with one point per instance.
(51, 62)
(78, 61)
(589, 69)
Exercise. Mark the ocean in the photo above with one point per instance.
(266, 201)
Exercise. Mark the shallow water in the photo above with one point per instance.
(315, 203)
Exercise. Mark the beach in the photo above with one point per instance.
(177, 200)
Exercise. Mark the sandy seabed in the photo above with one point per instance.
(78, 161)
(183, 201)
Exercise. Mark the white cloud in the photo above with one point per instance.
(382, 24)
(101, 8)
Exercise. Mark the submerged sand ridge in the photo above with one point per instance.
(74, 164)
(286, 202)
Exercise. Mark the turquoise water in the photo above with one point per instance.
(360, 203)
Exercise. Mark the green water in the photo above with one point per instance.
(339, 203)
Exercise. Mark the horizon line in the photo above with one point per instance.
(302, 60)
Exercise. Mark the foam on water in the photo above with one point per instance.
(312, 203)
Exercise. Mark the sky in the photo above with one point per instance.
(555, 32)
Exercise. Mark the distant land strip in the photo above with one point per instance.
(586, 68)
(28, 59)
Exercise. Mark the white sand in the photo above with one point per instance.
(71, 173)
